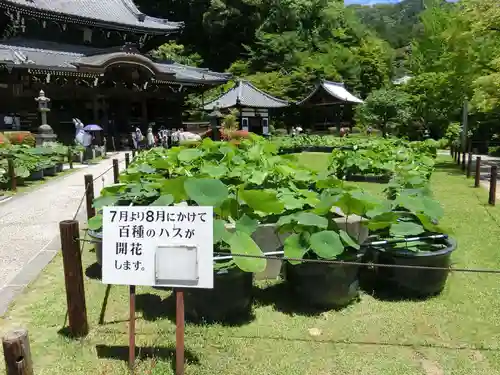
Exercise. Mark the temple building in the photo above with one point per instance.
(254, 106)
(328, 105)
(90, 58)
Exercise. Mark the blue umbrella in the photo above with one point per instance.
(92, 128)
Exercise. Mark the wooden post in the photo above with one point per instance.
(469, 165)
(116, 171)
(478, 172)
(131, 330)
(17, 353)
(463, 161)
(127, 159)
(12, 174)
(493, 185)
(70, 158)
(179, 333)
(133, 154)
(89, 195)
(73, 277)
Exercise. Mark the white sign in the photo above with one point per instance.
(158, 246)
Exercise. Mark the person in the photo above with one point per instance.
(294, 131)
(138, 138)
(369, 131)
(150, 138)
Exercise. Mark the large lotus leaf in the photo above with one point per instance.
(262, 200)
(404, 228)
(175, 186)
(213, 170)
(294, 247)
(163, 200)
(105, 200)
(347, 240)
(219, 230)
(310, 219)
(189, 154)
(246, 224)
(95, 223)
(21, 171)
(258, 177)
(326, 244)
(242, 243)
(206, 191)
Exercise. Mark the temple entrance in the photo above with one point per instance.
(255, 125)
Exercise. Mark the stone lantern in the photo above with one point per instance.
(215, 118)
(45, 132)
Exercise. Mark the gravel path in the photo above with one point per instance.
(30, 222)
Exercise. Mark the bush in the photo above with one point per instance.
(281, 132)
(494, 151)
(20, 138)
(4, 140)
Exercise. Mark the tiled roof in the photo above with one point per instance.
(334, 89)
(246, 95)
(112, 12)
(54, 56)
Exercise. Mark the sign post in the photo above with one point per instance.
(158, 246)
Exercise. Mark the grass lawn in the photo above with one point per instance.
(455, 333)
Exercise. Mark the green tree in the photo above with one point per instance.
(386, 109)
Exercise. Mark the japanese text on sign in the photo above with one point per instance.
(133, 238)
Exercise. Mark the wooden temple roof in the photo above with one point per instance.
(77, 59)
(335, 91)
(115, 14)
(245, 94)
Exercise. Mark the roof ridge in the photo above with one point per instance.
(263, 92)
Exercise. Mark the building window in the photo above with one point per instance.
(244, 123)
(265, 126)
(87, 35)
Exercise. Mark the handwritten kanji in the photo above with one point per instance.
(121, 248)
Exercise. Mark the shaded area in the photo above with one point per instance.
(165, 353)
(94, 271)
(281, 298)
(153, 308)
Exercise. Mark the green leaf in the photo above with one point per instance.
(326, 244)
(246, 224)
(175, 186)
(262, 200)
(294, 248)
(347, 240)
(351, 205)
(310, 219)
(214, 171)
(242, 243)
(95, 223)
(206, 191)
(163, 200)
(187, 155)
(219, 230)
(102, 201)
(144, 168)
(258, 177)
(403, 229)
(382, 221)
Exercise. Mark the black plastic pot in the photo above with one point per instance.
(59, 167)
(380, 179)
(322, 285)
(36, 175)
(50, 171)
(230, 299)
(412, 282)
